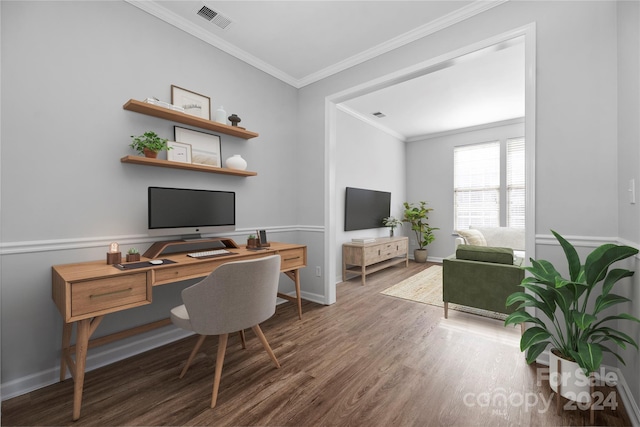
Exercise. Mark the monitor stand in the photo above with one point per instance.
(184, 246)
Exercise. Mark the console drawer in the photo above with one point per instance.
(292, 258)
(109, 293)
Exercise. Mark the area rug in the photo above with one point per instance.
(426, 287)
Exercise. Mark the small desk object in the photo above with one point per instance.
(85, 292)
(362, 258)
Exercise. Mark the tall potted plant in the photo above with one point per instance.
(577, 329)
(418, 216)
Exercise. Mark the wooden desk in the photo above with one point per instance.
(85, 292)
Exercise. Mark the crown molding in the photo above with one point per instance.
(517, 120)
(154, 8)
(466, 12)
(370, 121)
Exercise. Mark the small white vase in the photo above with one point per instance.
(236, 162)
(221, 115)
(574, 384)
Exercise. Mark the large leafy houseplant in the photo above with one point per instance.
(418, 216)
(578, 328)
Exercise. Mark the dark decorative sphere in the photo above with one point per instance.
(234, 119)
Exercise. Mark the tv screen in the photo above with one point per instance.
(365, 209)
(174, 211)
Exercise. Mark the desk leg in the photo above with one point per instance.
(82, 344)
(295, 276)
(67, 328)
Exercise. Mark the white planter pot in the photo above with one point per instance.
(574, 384)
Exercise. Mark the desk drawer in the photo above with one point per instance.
(109, 293)
(184, 272)
(292, 258)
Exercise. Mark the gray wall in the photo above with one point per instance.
(67, 69)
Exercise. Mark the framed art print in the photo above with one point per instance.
(193, 103)
(179, 152)
(205, 147)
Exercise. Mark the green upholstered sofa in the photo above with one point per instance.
(481, 277)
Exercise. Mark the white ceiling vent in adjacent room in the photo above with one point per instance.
(215, 17)
(379, 115)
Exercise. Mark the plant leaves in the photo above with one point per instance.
(612, 277)
(602, 257)
(604, 301)
(522, 316)
(532, 336)
(535, 350)
(590, 355)
(572, 257)
(582, 320)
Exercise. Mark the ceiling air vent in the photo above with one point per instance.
(379, 115)
(215, 17)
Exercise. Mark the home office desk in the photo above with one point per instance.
(85, 292)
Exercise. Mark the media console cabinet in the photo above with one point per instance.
(364, 258)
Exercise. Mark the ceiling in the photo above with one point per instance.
(300, 42)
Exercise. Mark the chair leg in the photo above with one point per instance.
(242, 338)
(193, 354)
(222, 347)
(265, 344)
(446, 309)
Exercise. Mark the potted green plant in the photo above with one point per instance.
(149, 144)
(133, 255)
(577, 329)
(418, 216)
(392, 223)
(252, 241)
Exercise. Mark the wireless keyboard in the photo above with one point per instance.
(208, 253)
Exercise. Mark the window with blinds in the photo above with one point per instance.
(476, 184)
(481, 197)
(515, 183)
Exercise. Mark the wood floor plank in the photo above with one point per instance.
(368, 360)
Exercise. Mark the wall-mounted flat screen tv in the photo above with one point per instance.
(365, 209)
(189, 212)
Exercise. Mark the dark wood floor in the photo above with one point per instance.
(368, 360)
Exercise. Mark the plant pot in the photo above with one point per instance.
(252, 243)
(574, 383)
(133, 257)
(150, 154)
(420, 255)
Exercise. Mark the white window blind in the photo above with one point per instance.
(515, 183)
(477, 185)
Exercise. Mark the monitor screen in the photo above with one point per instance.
(180, 211)
(365, 209)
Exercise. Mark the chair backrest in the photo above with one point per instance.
(235, 296)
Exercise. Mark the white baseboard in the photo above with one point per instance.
(95, 359)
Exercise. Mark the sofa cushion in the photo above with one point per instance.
(485, 254)
(503, 237)
(472, 237)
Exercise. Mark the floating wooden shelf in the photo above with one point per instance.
(139, 160)
(177, 116)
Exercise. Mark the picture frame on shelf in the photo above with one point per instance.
(179, 152)
(205, 147)
(193, 103)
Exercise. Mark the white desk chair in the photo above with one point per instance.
(235, 296)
